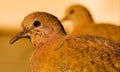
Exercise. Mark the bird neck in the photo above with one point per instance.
(80, 25)
(43, 51)
(84, 20)
(53, 37)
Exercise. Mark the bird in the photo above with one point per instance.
(56, 51)
(82, 22)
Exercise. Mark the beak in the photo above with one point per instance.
(65, 18)
(22, 34)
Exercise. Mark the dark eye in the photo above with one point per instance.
(72, 11)
(36, 23)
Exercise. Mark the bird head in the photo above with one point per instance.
(38, 26)
(76, 13)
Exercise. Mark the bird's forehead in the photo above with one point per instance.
(76, 7)
(43, 17)
(28, 20)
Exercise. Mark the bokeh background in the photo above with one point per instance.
(15, 58)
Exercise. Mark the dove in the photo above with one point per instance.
(56, 51)
(81, 22)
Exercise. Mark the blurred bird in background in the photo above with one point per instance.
(83, 23)
(55, 51)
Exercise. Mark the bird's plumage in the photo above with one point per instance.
(55, 51)
(83, 23)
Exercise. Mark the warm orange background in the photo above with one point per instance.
(15, 58)
(13, 11)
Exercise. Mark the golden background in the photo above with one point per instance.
(15, 58)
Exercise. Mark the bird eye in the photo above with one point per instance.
(36, 23)
(72, 11)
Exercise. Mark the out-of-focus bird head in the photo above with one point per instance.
(77, 13)
(39, 26)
